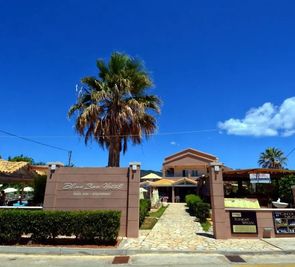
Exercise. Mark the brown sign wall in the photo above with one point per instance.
(97, 189)
(221, 216)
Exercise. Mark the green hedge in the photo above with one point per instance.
(99, 227)
(192, 201)
(11, 226)
(202, 211)
(144, 208)
(197, 207)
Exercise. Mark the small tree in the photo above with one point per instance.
(39, 189)
(285, 190)
(21, 158)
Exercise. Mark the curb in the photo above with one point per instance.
(112, 252)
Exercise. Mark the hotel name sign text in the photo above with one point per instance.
(91, 189)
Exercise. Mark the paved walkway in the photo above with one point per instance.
(177, 230)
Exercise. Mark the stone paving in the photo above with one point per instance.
(177, 230)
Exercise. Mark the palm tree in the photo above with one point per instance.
(114, 108)
(272, 158)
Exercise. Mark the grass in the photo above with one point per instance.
(158, 213)
(206, 226)
(152, 219)
(148, 223)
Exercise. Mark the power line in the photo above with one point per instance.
(28, 138)
(290, 152)
(40, 143)
(33, 141)
(154, 134)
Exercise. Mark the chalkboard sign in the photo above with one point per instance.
(284, 222)
(243, 222)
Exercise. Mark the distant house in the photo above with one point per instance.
(183, 173)
(188, 163)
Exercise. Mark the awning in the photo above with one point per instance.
(183, 182)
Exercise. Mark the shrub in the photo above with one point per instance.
(44, 225)
(144, 208)
(285, 190)
(206, 226)
(97, 226)
(90, 226)
(192, 201)
(202, 211)
(12, 224)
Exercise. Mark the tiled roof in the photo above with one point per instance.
(185, 181)
(167, 182)
(10, 167)
(189, 152)
(39, 172)
(39, 169)
(163, 182)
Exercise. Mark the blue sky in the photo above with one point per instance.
(214, 64)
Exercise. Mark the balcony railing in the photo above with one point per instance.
(180, 176)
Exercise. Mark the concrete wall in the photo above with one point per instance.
(97, 189)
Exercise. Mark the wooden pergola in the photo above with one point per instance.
(244, 175)
(16, 179)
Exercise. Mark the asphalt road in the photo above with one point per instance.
(12, 260)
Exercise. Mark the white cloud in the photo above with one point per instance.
(266, 120)
(173, 143)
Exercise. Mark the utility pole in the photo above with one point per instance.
(70, 157)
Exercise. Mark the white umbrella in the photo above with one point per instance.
(141, 191)
(28, 189)
(10, 190)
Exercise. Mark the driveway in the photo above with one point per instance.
(177, 230)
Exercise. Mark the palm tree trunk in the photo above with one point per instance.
(114, 153)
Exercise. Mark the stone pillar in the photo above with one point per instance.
(293, 191)
(173, 194)
(132, 211)
(217, 201)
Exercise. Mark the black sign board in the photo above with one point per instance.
(243, 222)
(284, 222)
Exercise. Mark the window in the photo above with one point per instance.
(185, 173)
(194, 173)
(170, 172)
